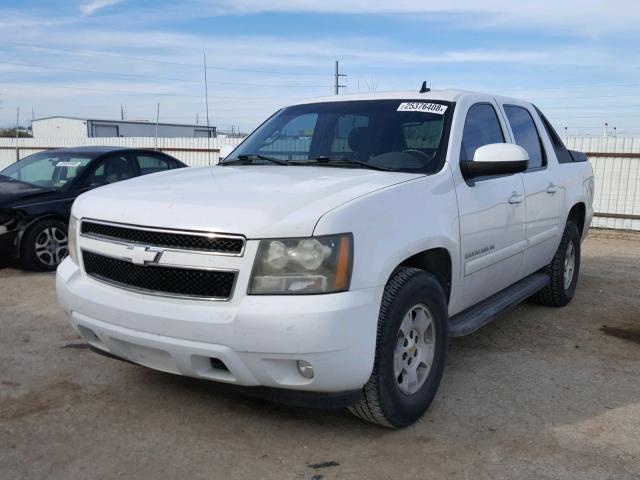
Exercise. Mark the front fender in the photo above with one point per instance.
(395, 223)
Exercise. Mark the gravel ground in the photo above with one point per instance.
(540, 393)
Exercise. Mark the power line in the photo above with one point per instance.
(172, 79)
(572, 87)
(594, 107)
(615, 115)
(161, 62)
(586, 97)
(136, 92)
(104, 90)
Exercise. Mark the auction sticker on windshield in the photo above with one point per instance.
(68, 164)
(422, 107)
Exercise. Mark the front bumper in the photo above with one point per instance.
(8, 245)
(252, 341)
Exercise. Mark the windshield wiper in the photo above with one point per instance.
(244, 159)
(324, 160)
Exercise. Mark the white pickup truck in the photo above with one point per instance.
(330, 256)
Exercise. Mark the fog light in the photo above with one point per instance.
(305, 369)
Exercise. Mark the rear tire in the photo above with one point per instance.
(411, 350)
(45, 245)
(563, 270)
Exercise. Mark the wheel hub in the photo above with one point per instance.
(415, 348)
(569, 265)
(51, 246)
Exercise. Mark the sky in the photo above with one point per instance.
(579, 61)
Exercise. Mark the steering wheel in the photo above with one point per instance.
(418, 153)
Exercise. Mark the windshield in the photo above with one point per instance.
(47, 169)
(396, 135)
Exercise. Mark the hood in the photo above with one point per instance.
(258, 201)
(15, 193)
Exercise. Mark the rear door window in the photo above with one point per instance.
(562, 154)
(151, 163)
(111, 170)
(526, 134)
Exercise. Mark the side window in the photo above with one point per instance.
(562, 154)
(293, 141)
(152, 164)
(481, 127)
(526, 134)
(110, 170)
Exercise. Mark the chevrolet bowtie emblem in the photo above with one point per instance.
(141, 255)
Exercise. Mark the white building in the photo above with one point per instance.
(70, 127)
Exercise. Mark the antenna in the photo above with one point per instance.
(424, 88)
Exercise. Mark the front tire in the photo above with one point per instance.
(45, 245)
(563, 270)
(411, 350)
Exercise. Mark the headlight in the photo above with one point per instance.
(299, 266)
(71, 238)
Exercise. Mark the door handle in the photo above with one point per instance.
(551, 189)
(516, 198)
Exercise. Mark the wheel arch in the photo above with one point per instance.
(577, 215)
(32, 221)
(436, 261)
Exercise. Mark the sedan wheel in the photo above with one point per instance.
(52, 246)
(45, 244)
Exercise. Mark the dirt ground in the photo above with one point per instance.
(540, 393)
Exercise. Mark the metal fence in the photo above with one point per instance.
(192, 151)
(616, 168)
(615, 161)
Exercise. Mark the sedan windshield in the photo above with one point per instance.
(395, 135)
(47, 169)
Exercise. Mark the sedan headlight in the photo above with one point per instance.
(71, 239)
(299, 266)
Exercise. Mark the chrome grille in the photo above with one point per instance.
(180, 240)
(159, 279)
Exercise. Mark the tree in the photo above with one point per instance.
(11, 132)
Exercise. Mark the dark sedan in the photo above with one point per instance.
(36, 194)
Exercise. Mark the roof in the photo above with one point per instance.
(450, 95)
(138, 122)
(94, 149)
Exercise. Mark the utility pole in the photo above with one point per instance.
(606, 129)
(206, 98)
(17, 125)
(157, 121)
(337, 85)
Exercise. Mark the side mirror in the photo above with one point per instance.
(496, 159)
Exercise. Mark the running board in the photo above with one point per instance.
(479, 315)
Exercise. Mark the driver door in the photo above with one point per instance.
(492, 215)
